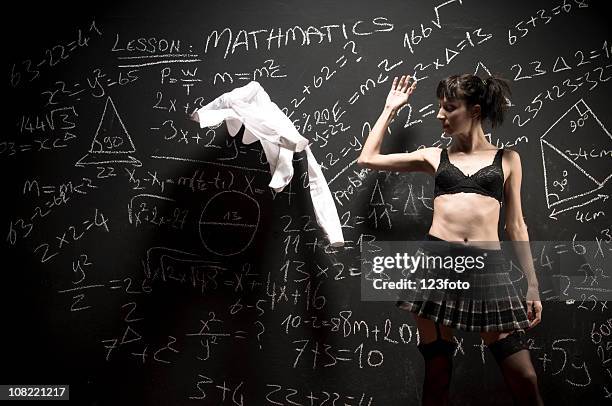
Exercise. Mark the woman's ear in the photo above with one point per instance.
(476, 111)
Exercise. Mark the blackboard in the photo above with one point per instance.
(120, 279)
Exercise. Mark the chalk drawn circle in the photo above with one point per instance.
(228, 223)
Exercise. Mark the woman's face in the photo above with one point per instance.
(455, 117)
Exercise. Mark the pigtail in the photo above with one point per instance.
(494, 105)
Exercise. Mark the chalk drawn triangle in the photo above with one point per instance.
(482, 66)
(112, 142)
(568, 176)
(130, 335)
(583, 138)
(377, 199)
(410, 208)
(565, 180)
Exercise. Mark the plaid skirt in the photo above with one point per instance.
(491, 303)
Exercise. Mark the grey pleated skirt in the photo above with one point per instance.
(492, 303)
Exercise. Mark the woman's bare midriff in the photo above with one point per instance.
(470, 218)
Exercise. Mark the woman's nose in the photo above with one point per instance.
(440, 116)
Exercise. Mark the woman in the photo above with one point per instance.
(469, 191)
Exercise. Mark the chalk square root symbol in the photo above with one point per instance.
(566, 181)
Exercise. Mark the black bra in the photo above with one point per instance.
(488, 181)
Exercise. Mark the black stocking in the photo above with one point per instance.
(438, 357)
(514, 360)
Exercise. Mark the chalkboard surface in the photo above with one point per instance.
(146, 260)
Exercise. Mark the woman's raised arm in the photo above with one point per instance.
(400, 162)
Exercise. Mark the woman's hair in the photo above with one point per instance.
(490, 94)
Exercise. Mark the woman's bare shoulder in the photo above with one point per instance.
(432, 152)
(512, 155)
(432, 156)
(511, 161)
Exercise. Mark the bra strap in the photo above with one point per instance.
(444, 155)
(498, 155)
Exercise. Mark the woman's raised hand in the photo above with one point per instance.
(400, 92)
